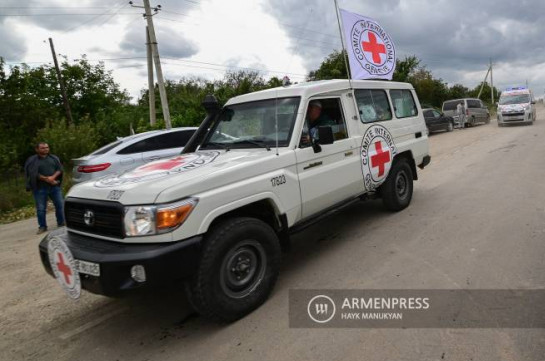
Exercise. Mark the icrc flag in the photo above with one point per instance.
(371, 51)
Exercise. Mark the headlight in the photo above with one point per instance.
(150, 220)
(527, 106)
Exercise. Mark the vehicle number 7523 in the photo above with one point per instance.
(276, 181)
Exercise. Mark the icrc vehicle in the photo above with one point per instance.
(218, 215)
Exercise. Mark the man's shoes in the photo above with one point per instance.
(41, 230)
(62, 224)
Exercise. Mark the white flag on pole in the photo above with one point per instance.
(371, 51)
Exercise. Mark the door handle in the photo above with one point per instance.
(155, 157)
(348, 154)
(312, 165)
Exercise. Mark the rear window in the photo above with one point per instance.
(404, 104)
(373, 105)
(473, 103)
(450, 105)
(164, 141)
(106, 148)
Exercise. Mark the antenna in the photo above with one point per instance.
(276, 118)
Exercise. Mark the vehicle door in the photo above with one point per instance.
(399, 124)
(430, 119)
(475, 110)
(166, 145)
(332, 173)
(440, 120)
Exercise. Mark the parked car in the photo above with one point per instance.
(436, 120)
(476, 111)
(130, 152)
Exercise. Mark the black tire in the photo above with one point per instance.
(238, 269)
(397, 190)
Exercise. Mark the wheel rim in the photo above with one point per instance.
(402, 185)
(243, 268)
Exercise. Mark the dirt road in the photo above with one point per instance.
(477, 221)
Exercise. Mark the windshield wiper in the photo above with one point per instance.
(217, 144)
(259, 143)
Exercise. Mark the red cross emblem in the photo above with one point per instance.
(64, 269)
(374, 47)
(167, 164)
(380, 159)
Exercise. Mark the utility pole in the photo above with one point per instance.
(69, 119)
(491, 82)
(151, 83)
(155, 51)
(482, 85)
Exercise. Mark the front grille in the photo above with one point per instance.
(107, 216)
(513, 114)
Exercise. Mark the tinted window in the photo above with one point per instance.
(171, 140)
(471, 103)
(436, 114)
(404, 105)
(450, 105)
(138, 147)
(373, 105)
(428, 114)
(107, 148)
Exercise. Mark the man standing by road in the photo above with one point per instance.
(461, 113)
(43, 174)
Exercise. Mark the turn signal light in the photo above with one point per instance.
(167, 218)
(93, 168)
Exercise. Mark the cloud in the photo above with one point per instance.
(453, 38)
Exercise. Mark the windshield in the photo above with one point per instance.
(514, 99)
(252, 125)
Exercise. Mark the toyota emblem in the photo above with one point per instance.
(89, 218)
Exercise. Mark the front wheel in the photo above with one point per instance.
(397, 190)
(238, 269)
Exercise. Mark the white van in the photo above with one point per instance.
(516, 106)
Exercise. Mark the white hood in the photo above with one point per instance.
(170, 179)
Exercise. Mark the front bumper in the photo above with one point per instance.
(507, 118)
(164, 263)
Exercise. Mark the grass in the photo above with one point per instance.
(16, 203)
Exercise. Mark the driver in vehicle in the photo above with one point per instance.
(315, 118)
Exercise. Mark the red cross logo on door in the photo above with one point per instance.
(380, 159)
(374, 47)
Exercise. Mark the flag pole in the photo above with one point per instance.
(345, 53)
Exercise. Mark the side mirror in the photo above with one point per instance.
(325, 135)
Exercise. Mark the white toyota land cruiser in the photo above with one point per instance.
(256, 171)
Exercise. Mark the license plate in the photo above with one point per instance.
(88, 268)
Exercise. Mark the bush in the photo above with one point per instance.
(69, 142)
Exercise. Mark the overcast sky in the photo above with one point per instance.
(454, 39)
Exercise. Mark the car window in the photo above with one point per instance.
(436, 114)
(373, 105)
(107, 148)
(404, 104)
(471, 103)
(260, 123)
(450, 105)
(171, 140)
(138, 147)
(428, 114)
(331, 115)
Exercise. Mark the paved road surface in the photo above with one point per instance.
(477, 221)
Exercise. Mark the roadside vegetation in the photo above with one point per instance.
(31, 110)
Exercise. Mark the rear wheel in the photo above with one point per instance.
(238, 269)
(397, 190)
